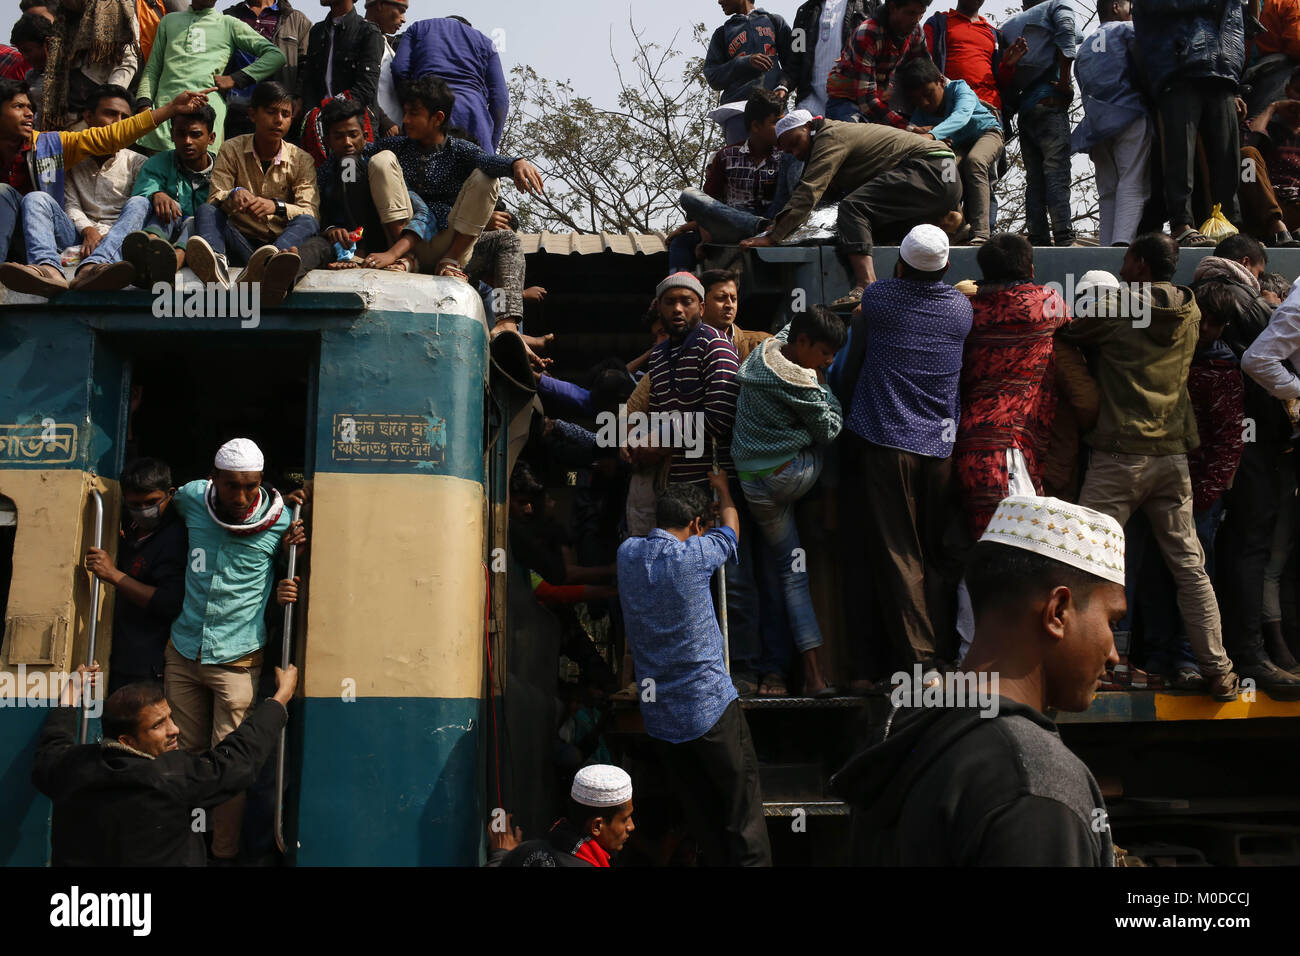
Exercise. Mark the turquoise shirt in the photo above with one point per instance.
(227, 583)
(962, 118)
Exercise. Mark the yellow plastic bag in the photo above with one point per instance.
(1217, 226)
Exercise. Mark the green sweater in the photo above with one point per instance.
(194, 47)
(1142, 371)
(782, 409)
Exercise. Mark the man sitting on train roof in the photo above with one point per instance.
(215, 654)
(361, 193)
(261, 204)
(131, 799)
(597, 825)
(457, 180)
(883, 177)
(971, 772)
(98, 213)
(42, 160)
(176, 183)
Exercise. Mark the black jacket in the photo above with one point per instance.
(1250, 317)
(140, 634)
(554, 849)
(115, 807)
(358, 50)
(804, 48)
(949, 787)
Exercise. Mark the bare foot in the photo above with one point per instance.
(539, 343)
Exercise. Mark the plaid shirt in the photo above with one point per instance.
(867, 65)
(735, 179)
(12, 64)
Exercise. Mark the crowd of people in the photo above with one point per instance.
(934, 425)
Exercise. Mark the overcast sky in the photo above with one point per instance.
(566, 39)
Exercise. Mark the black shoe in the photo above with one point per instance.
(1271, 679)
(1283, 240)
(135, 250)
(1275, 645)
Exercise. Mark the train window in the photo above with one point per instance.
(8, 535)
(187, 401)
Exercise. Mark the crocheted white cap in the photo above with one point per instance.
(792, 120)
(925, 248)
(1074, 535)
(239, 454)
(601, 785)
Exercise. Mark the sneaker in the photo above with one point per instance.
(135, 250)
(103, 277)
(208, 266)
(43, 280)
(256, 264)
(279, 276)
(1225, 687)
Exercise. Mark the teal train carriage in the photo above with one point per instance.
(373, 389)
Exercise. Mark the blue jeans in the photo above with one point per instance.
(131, 219)
(772, 500)
(10, 203)
(725, 224)
(226, 238)
(177, 232)
(844, 110)
(1045, 146)
(742, 595)
(681, 252)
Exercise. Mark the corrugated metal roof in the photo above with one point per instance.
(589, 243)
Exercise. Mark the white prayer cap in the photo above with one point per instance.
(1098, 279)
(601, 785)
(925, 248)
(792, 120)
(1074, 535)
(239, 454)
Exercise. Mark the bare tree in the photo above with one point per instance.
(618, 168)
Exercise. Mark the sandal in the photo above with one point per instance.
(404, 264)
(772, 685)
(1190, 237)
(744, 688)
(851, 300)
(450, 269)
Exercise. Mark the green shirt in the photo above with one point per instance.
(194, 47)
(227, 583)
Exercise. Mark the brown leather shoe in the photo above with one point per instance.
(103, 277)
(43, 280)
(1225, 687)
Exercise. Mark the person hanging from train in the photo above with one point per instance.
(592, 832)
(176, 183)
(215, 653)
(361, 194)
(149, 575)
(972, 772)
(42, 161)
(134, 798)
(689, 704)
(261, 204)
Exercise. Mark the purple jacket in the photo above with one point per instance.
(468, 61)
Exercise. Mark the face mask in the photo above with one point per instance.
(148, 517)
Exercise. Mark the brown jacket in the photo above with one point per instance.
(1077, 406)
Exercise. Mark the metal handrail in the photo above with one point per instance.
(286, 653)
(84, 732)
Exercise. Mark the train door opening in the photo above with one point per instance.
(188, 396)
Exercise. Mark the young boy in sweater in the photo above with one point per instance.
(176, 185)
(785, 415)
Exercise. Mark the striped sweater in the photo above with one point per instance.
(697, 375)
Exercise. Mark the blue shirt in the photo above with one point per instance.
(907, 395)
(962, 118)
(1111, 101)
(228, 581)
(1047, 28)
(663, 585)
